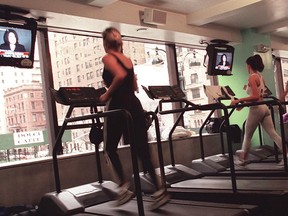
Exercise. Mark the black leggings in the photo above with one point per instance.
(115, 128)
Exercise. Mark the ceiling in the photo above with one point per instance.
(187, 20)
(264, 15)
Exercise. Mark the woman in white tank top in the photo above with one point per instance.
(259, 114)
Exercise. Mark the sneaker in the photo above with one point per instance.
(158, 193)
(161, 198)
(242, 163)
(124, 195)
(281, 163)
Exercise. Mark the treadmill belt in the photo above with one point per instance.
(260, 166)
(242, 184)
(174, 207)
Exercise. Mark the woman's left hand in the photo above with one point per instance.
(235, 102)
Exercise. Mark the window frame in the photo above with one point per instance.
(47, 76)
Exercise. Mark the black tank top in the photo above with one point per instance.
(127, 87)
(124, 97)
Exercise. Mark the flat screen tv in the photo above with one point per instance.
(220, 59)
(17, 43)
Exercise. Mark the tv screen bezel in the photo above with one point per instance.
(213, 50)
(20, 62)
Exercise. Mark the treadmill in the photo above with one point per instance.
(178, 207)
(263, 159)
(263, 154)
(216, 94)
(266, 189)
(204, 166)
(74, 200)
(172, 94)
(97, 198)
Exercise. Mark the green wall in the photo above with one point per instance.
(240, 75)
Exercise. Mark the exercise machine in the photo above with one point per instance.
(75, 200)
(95, 198)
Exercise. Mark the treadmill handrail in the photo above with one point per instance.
(195, 107)
(213, 107)
(129, 125)
(255, 103)
(159, 145)
(276, 102)
(182, 100)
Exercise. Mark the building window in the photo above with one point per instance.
(194, 78)
(33, 105)
(195, 93)
(77, 67)
(34, 117)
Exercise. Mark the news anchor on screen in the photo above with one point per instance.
(223, 64)
(11, 42)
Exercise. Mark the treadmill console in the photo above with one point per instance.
(78, 95)
(164, 92)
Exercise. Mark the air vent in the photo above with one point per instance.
(154, 17)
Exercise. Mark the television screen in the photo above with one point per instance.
(223, 60)
(17, 43)
(220, 59)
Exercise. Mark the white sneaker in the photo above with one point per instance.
(242, 163)
(124, 195)
(281, 163)
(161, 198)
(158, 193)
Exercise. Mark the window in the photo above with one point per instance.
(281, 72)
(192, 76)
(16, 120)
(195, 93)
(77, 67)
(34, 117)
(76, 61)
(33, 105)
(151, 69)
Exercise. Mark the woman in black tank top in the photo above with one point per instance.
(119, 77)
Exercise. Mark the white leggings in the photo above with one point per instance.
(259, 114)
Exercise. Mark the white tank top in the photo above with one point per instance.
(261, 88)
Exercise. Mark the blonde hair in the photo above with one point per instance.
(112, 38)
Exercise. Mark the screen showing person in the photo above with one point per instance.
(223, 60)
(14, 42)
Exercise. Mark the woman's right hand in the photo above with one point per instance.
(104, 97)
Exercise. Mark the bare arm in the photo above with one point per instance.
(254, 96)
(118, 74)
(282, 97)
(135, 84)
